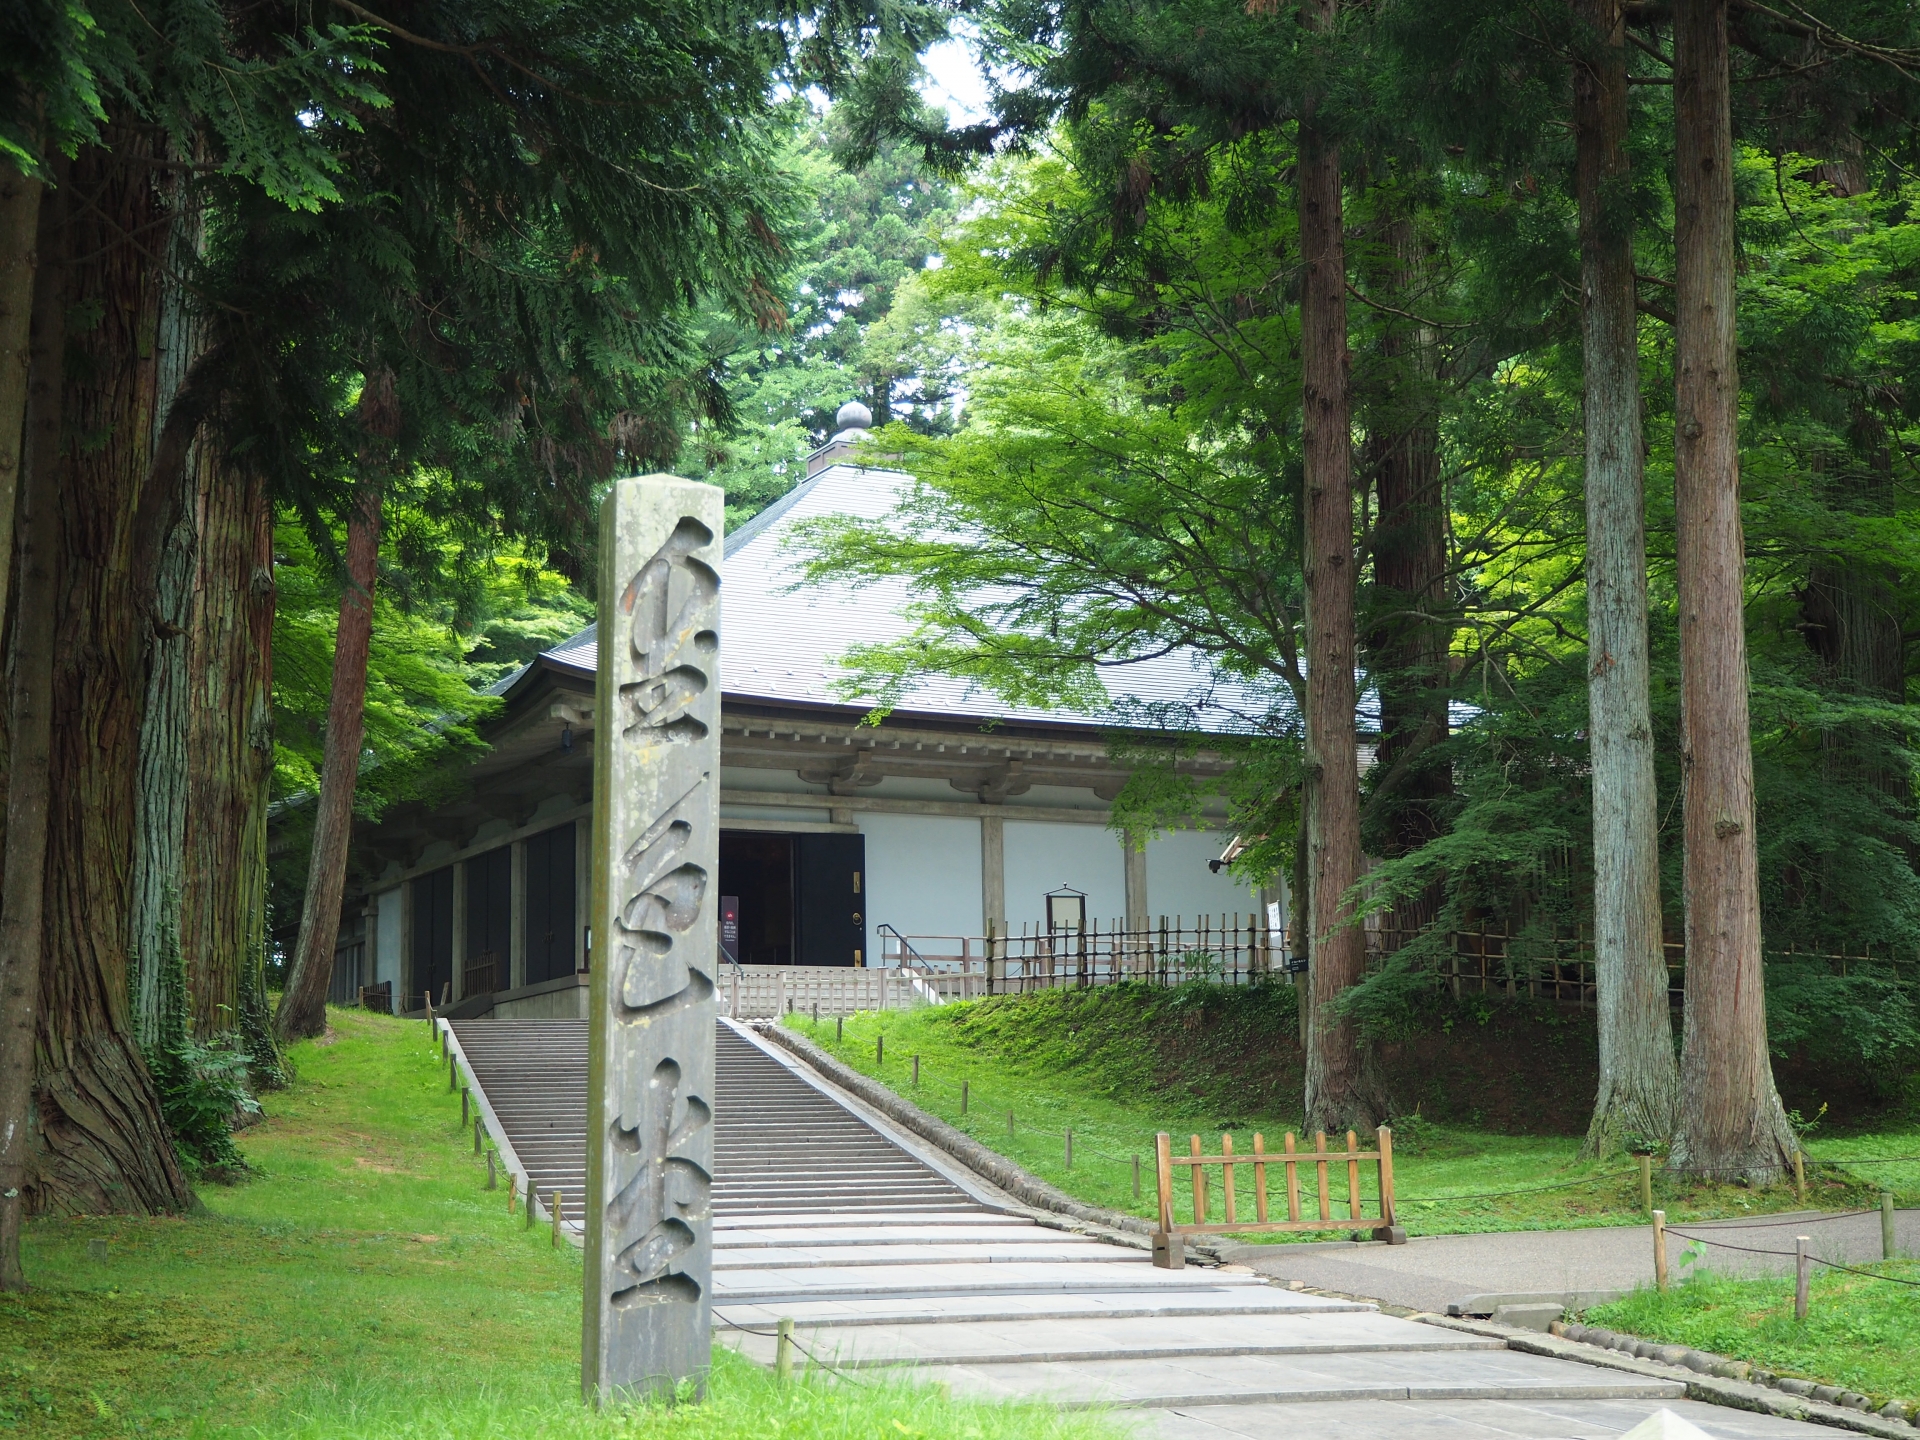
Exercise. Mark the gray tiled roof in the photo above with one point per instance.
(782, 643)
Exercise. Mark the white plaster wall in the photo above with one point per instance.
(1043, 856)
(389, 943)
(923, 875)
(1179, 882)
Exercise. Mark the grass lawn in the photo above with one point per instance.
(1861, 1334)
(366, 1284)
(1105, 1078)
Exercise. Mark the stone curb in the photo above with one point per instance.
(1129, 1230)
(1716, 1389)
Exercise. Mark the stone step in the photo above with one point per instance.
(1157, 1337)
(1206, 1380)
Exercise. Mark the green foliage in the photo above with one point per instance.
(365, 1283)
(858, 326)
(204, 1088)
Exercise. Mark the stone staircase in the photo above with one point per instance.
(886, 1255)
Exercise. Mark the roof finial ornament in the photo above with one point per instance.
(852, 421)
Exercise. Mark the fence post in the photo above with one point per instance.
(480, 1138)
(493, 1180)
(1199, 1183)
(1646, 1183)
(465, 1101)
(1169, 1251)
(513, 1190)
(1009, 1124)
(1388, 1214)
(963, 1097)
(1887, 1248)
(453, 1073)
(839, 1028)
(1660, 1249)
(783, 1349)
(916, 1072)
(556, 1219)
(1069, 1149)
(880, 1043)
(1136, 1177)
(1800, 1176)
(1801, 1275)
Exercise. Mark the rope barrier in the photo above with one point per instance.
(791, 1340)
(1081, 1147)
(1794, 1254)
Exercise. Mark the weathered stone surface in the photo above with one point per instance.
(649, 1221)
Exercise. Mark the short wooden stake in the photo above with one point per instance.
(493, 1180)
(1660, 1249)
(1136, 1177)
(532, 1200)
(479, 1135)
(1646, 1183)
(839, 1028)
(879, 1049)
(453, 1074)
(556, 1219)
(1069, 1149)
(1887, 1247)
(513, 1191)
(916, 1072)
(1009, 1124)
(783, 1349)
(816, 1012)
(1802, 1273)
(963, 1097)
(1800, 1175)
(466, 1112)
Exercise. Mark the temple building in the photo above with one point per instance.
(843, 843)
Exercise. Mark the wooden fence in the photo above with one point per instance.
(1290, 1158)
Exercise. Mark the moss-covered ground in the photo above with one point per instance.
(365, 1284)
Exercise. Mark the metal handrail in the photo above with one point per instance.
(925, 971)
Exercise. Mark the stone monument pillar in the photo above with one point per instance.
(656, 811)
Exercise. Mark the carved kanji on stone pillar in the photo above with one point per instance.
(649, 1220)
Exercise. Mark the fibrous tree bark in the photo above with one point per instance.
(1408, 635)
(20, 199)
(30, 726)
(1335, 1096)
(303, 1005)
(1731, 1120)
(160, 792)
(1639, 1081)
(229, 753)
(102, 1145)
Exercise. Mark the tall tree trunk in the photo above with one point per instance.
(229, 754)
(30, 726)
(1337, 948)
(303, 1007)
(1407, 637)
(19, 226)
(160, 794)
(1639, 1081)
(1731, 1119)
(104, 1146)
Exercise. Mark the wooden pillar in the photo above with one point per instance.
(459, 929)
(648, 1215)
(517, 916)
(993, 874)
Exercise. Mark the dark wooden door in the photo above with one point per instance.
(550, 904)
(433, 935)
(830, 899)
(489, 922)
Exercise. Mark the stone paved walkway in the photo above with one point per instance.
(988, 1302)
(1433, 1272)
